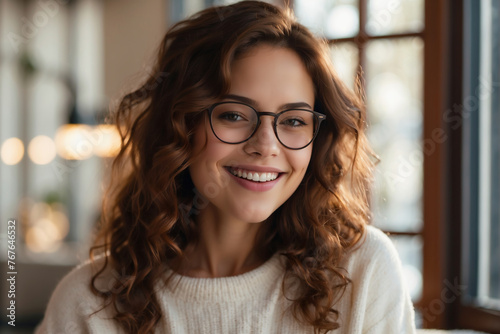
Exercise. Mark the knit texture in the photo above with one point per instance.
(376, 301)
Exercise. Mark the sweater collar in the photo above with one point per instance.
(252, 284)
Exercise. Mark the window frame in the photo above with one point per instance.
(361, 39)
(431, 201)
(464, 28)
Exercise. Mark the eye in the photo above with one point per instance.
(231, 116)
(293, 122)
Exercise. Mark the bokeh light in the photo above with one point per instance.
(48, 225)
(42, 150)
(12, 151)
(108, 141)
(342, 21)
(75, 142)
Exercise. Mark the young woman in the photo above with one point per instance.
(240, 195)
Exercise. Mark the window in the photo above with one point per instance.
(382, 41)
(49, 60)
(487, 132)
(479, 307)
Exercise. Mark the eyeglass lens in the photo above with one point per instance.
(234, 123)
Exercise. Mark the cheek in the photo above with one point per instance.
(206, 146)
(210, 156)
(299, 160)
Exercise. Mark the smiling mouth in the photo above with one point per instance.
(253, 175)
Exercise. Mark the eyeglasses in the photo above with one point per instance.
(236, 122)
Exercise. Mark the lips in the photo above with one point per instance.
(255, 178)
(253, 175)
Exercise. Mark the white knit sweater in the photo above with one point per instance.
(375, 302)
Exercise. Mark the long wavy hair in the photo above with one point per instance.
(147, 215)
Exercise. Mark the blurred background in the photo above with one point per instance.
(430, 72)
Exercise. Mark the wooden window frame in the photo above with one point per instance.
(449, 65)
(361, 40)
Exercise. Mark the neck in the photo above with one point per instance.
(226, 247)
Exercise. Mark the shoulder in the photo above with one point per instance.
(374, 266)
(72, 303)
(76, 284)
(374, 261)
(379, 295)
(374, 248)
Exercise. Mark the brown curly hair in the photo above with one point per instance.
(146, 216)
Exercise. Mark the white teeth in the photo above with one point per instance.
(254, 176)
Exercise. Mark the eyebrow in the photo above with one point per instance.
(254, 103)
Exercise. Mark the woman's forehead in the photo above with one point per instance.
(271, 73)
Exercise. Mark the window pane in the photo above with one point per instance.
(392, 17)
(329, 18)
(345, 60)
(495, 153)
(495, 186)
(489, 157)
(394, 99)
(410, 253)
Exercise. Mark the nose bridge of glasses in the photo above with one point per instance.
(266, 113)
(265, 130)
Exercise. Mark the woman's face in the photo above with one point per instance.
(271, 78)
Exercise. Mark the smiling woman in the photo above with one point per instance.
(271, 77)
(238, 202)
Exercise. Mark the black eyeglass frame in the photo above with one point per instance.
(319, 117)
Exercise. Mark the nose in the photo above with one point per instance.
(263, 142)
